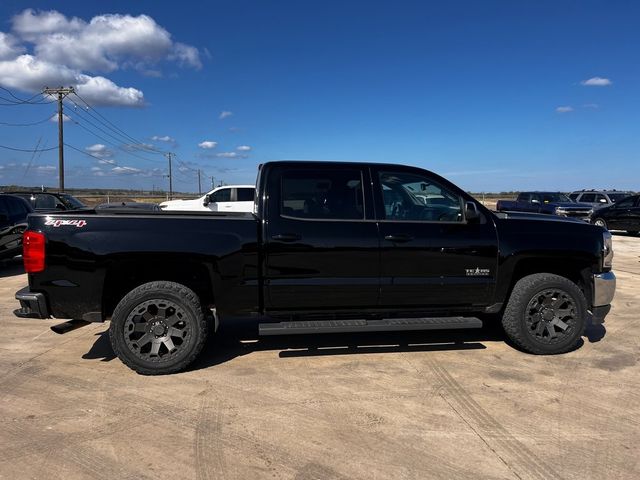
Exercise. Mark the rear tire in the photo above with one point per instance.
(158, 328)
(546, 314)
(601, 223)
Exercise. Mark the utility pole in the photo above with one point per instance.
(213, 182)
(169, 156)
(199, 184)
(61, 92)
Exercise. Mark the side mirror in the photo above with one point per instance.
(206, 201)
(471, 212)
(535, 201)
(603, 200)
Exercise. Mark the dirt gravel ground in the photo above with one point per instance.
(402, 406)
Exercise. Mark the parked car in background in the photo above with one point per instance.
(50, 201)
(13, 223)
(128, 206)
(598, 198)
(622, 215)
(229, 198)
(552, 203)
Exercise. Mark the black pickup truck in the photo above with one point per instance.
(331, 247)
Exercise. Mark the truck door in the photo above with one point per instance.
(431, 256)
(321, 240)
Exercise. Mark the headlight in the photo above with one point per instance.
(607, 250)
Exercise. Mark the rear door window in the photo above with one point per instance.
(588, 198)
(246, 194)
(322, 194)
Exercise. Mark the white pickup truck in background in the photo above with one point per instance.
(228, 198)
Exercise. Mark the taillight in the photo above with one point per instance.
(33, 251)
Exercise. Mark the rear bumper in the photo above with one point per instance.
(604, 289)
(32, 304)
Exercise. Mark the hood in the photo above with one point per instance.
(572, 205)
(541, 217)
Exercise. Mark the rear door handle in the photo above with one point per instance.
(286, 237)
(399, 238)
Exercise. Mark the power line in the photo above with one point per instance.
(29, 150)
(118, 146)
(22, 101)
(25, 124)
(120, 138)
(109, 161)
(113, 126)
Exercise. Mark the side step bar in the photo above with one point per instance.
(384, 325)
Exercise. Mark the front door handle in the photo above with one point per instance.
(399, 238)
(286, 237)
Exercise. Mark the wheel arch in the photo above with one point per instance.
(577, 270)
(124, 276)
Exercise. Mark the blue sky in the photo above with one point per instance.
(495, 95)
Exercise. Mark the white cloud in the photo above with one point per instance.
(96, 169)
(102, 91)
(119, 169)
(230, 155)
(8, 47)
(32, 25)
(163, 138)
(208, 144)
(564, 109)
(27, 72)
(48, 48)
(104, 43)
(99, 150)
(244, 148)
(596, 82)
(224, 114)
(186, 55)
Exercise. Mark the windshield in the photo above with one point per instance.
(554, 198)
(71, 202)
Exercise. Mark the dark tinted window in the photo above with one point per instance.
(45, 201)
(408, 196)
(71, 202)
(616, 197)
(223, 195)
(245, 194)
(322, 194)
(554, 197)
(574, 196)
(524, 197)
(627, 202)
(16, 207)
(588, 197)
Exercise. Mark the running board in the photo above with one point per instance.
(384, 325)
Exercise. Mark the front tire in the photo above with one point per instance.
(158, 328)
(546, 314)
(601, 223)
